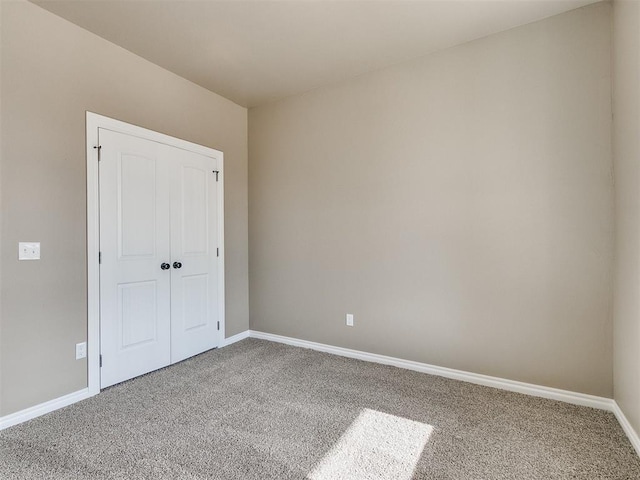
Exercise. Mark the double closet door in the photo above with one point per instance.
(159, 258)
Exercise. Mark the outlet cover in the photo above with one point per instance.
(81, 350)
(349, 320)
(29, 251)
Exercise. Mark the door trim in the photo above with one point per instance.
(95, 121)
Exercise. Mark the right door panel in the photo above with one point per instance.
(194, 280)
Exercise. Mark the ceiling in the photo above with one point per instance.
(253, 52)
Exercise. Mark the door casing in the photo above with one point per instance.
(93, 122)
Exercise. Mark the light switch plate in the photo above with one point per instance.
(29, 251)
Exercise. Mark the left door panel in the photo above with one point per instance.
(135, 310)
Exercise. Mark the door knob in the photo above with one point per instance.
(165, 266)
(177, 265)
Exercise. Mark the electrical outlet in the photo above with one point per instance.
(28, 250)
(81, 350)
(349, 320)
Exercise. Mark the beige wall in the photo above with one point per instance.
(460, 205)
(626, 147)
(52, 72)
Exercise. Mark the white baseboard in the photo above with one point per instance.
(46, 407)
(235, 338)
(567, 396)
(626, 426)
(57, 403)
(601, 403)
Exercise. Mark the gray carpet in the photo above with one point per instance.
(260, 410)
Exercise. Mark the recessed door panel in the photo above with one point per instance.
(195, 301)
(136, 205)
(138, 317)
(195, 218)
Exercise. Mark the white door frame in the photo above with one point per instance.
(93, 122)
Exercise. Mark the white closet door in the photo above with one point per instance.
(134, 243)
(194, 223)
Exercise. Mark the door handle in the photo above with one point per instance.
(177, 265)
(165, 266)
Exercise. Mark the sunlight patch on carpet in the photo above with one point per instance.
(376, 445)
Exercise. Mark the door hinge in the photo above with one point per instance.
(217, 252)
(216, 172)
(218, 324)
(98, 147)
(99, 257)
(100, 360)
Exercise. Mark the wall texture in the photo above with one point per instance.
(626, 148)
(52, 72)
(460, 205)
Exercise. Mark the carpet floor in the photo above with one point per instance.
(261, 410)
